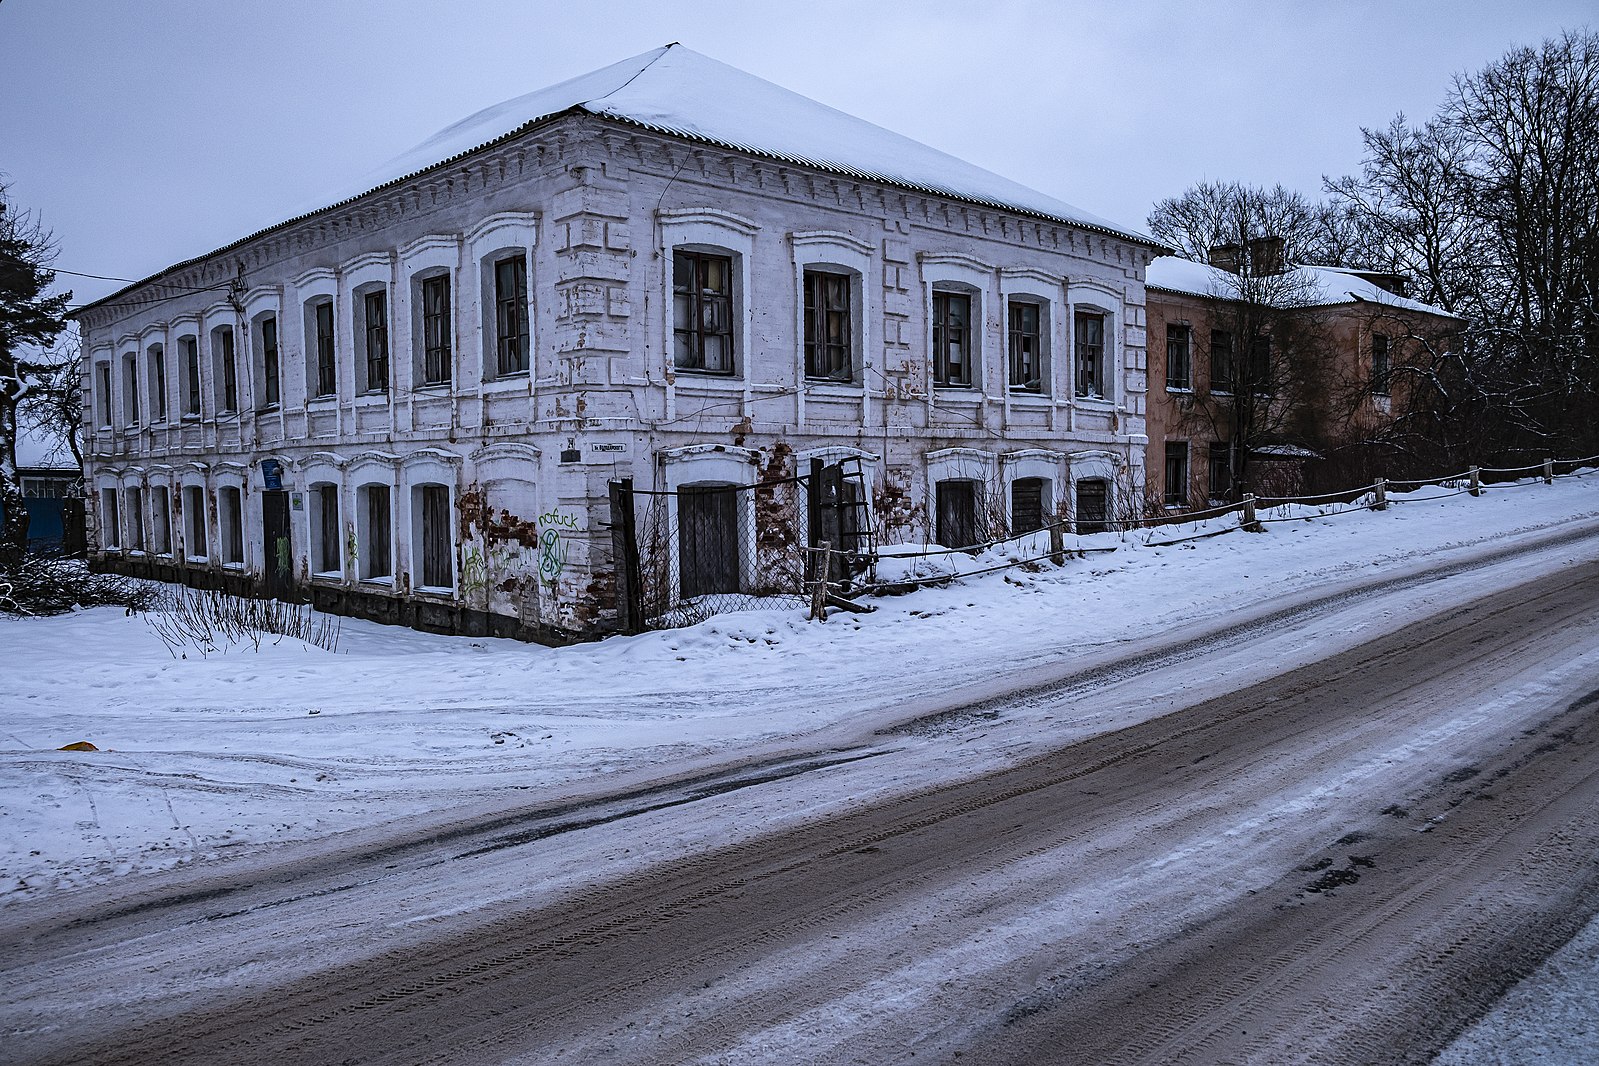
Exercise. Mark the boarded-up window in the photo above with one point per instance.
(376, 545)
(957, 513)
(433, 508)
(327, 549)
(707, 539)
(231, 518)
(1093, 506)
(1026, 504)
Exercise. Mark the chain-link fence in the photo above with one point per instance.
(703, 550)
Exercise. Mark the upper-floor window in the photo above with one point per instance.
(1258, 367)
(512, 337)
(130, 388)
(1221, 360)
(326, 368)
(158, 383)
(829, 328)
(436, 331)
(376, 340)
(1379, 364)
(1179, 356)
(271, 394)
(1089, 340)
(103, 388)
(952, 339)
(702, 312)
(227, 370)
(1026, 346)
(190, 347)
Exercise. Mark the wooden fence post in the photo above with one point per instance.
(624, 555)
(1380, 492)
(1249, 524)
(1476, 481)
(1549, 471)
(1057, 543)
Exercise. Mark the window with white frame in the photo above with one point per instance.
(953, 351)
(512, 337)
(829, 325)
(156, 367)
(130, 389)
(374, 532)
(194, 524)
(160, 520)
(189, 350)
(432, 540)
(702, 311)
(438, 331)
(230, 523)
(1179, 356)
(227, 370)
(1025, 338)
(110, 520)
(1089, 342)
(327, 537)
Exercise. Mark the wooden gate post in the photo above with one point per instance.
(624, 554)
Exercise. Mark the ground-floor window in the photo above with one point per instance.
(136, 518)
(161, 520)
(230, 518)
(434, 544)
(956, 506)
(1221, 470)
(1176, 473)
(375, 533)
(194, 544)
(110, 520)
(327, 547)
(1026, 505)
(1093, 506)
(707, 539)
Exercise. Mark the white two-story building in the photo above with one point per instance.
(411, 403)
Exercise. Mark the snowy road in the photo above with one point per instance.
(1335, 829)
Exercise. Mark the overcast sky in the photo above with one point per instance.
(146, 132)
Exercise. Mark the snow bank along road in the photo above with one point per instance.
(1345, 859)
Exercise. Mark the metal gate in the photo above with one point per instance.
(709, 549)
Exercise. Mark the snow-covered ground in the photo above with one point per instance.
(206, 755)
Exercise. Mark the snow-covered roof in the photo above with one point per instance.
(678, 91)
(1313, 286)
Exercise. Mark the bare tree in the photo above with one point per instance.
(29, 320)
(54, 405)
(1223, 214)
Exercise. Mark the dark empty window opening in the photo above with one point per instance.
(828, 327)
(510, 314)
(956, 503)
(1379, 364)
(702, 312)
(1090, 344)
(230, 370)
(130, 388)
(104, 382)
(326, 375)
(269, 363)
(191, 372)
(1176, 473)
(1026, 347)
(377, 550)
(952, 340)
(329, 545)
(377, 341)
(1179, 362)
(158, 384)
